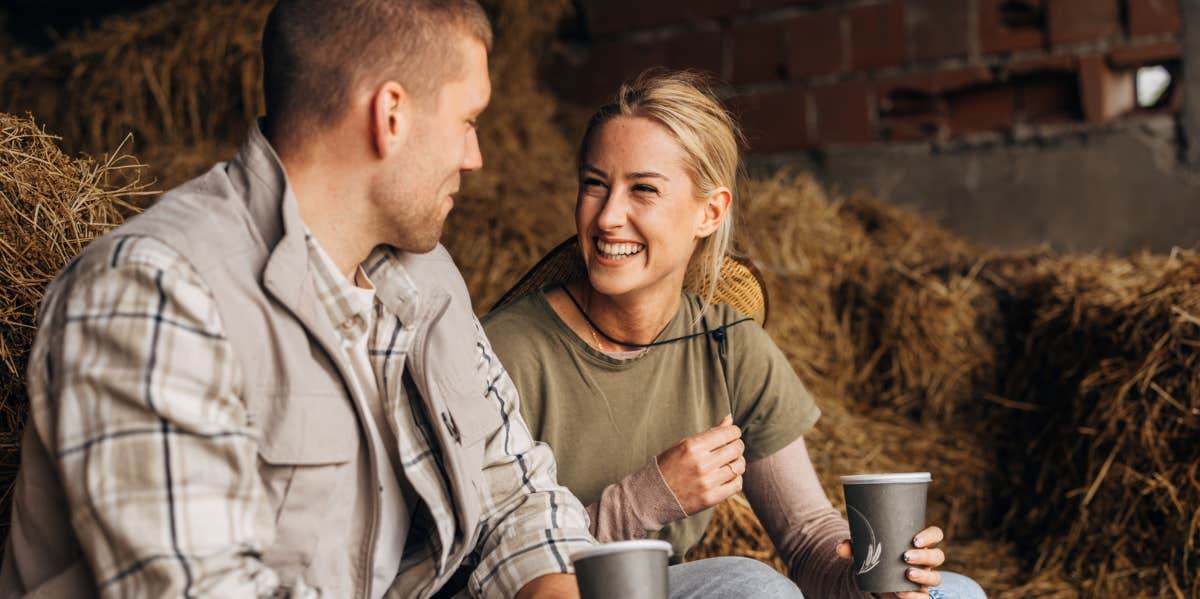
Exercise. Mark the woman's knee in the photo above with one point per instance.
(720, 577)
(957, 586)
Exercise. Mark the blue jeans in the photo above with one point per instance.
(734, 577)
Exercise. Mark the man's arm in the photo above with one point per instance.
(135, 395)
(532, 525)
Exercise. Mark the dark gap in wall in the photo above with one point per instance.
(1047, 97)
(1022, 14)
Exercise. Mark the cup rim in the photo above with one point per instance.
(620, 546)
(888, 478)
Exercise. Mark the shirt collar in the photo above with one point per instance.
(343, 302)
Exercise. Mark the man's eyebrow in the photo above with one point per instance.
(648, 175)
(588, 167)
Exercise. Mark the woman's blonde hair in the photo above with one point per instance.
(686, 104)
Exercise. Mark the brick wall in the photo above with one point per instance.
(805, 74)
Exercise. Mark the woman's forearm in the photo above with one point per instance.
(788, 499)
(635, 506)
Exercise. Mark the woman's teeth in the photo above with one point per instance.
(616, 251)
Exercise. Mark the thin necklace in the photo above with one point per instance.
(718, 333)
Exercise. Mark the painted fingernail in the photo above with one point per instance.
(909, 556)
(918, 542)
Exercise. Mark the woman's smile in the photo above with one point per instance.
(617, 252)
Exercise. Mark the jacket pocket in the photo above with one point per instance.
(307, 462)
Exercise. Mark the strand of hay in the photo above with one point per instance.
(51, 206)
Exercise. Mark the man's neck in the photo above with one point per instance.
(333, 211)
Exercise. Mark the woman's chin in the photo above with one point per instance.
(610, 283)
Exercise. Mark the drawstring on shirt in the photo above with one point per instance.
(719, 334)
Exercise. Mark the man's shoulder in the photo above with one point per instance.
(434, 268)
(157, 239)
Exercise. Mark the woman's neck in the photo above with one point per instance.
(637, 318)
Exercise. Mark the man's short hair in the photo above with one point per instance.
(317, 52)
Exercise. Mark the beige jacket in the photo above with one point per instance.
(192, 432)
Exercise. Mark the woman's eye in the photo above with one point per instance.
(589, 182)
(643, 188)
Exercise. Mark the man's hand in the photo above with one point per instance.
(925, 557)
(705, 469)
(550, 586)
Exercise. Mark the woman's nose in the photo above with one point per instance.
(614, 212)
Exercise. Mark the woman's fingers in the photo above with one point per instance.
(929, 537)
(925, 557)
(719, 493)
(921, 576)
(727, 454)
(713, 438)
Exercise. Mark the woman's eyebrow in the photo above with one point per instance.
(594, 170)
(648, 175)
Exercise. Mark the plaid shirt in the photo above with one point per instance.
(135, 392)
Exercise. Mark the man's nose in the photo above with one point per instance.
(473, 157)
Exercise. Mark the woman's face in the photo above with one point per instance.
(637, 213)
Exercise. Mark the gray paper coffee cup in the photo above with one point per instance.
(623, 570)
(885, 512)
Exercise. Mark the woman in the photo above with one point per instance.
(622, 375)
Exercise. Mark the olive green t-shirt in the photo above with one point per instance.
(605, 417)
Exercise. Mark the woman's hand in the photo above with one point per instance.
(705, 469)
(924, 558)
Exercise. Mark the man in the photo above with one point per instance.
(271, 383)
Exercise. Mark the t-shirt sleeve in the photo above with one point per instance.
(770, 402)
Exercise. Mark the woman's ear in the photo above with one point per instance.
(391, 111)
(716, 210)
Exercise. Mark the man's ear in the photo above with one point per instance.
(716, 210)
(391, 114)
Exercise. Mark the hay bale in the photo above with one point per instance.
(1104, 456)
(51, 206)
(922, 328)
(179, 75)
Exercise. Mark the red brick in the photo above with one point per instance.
(1048, 98)
(1082, 20)
(876, 35)
(700, 50)
(608, 64)
(774, 121)
(1106, 93)
(914, 128)
(590, 82)
(605, 17)
(938, 81)
(1009, 25)
(759, 53)
(843, 114)
(1061, 62)
(988, 109)
(936, 28)
(1131, 56)
(1153, 16)
(756, 5)
(908, 115)
(815, 43)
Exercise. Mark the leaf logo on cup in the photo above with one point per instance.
(874, 550)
